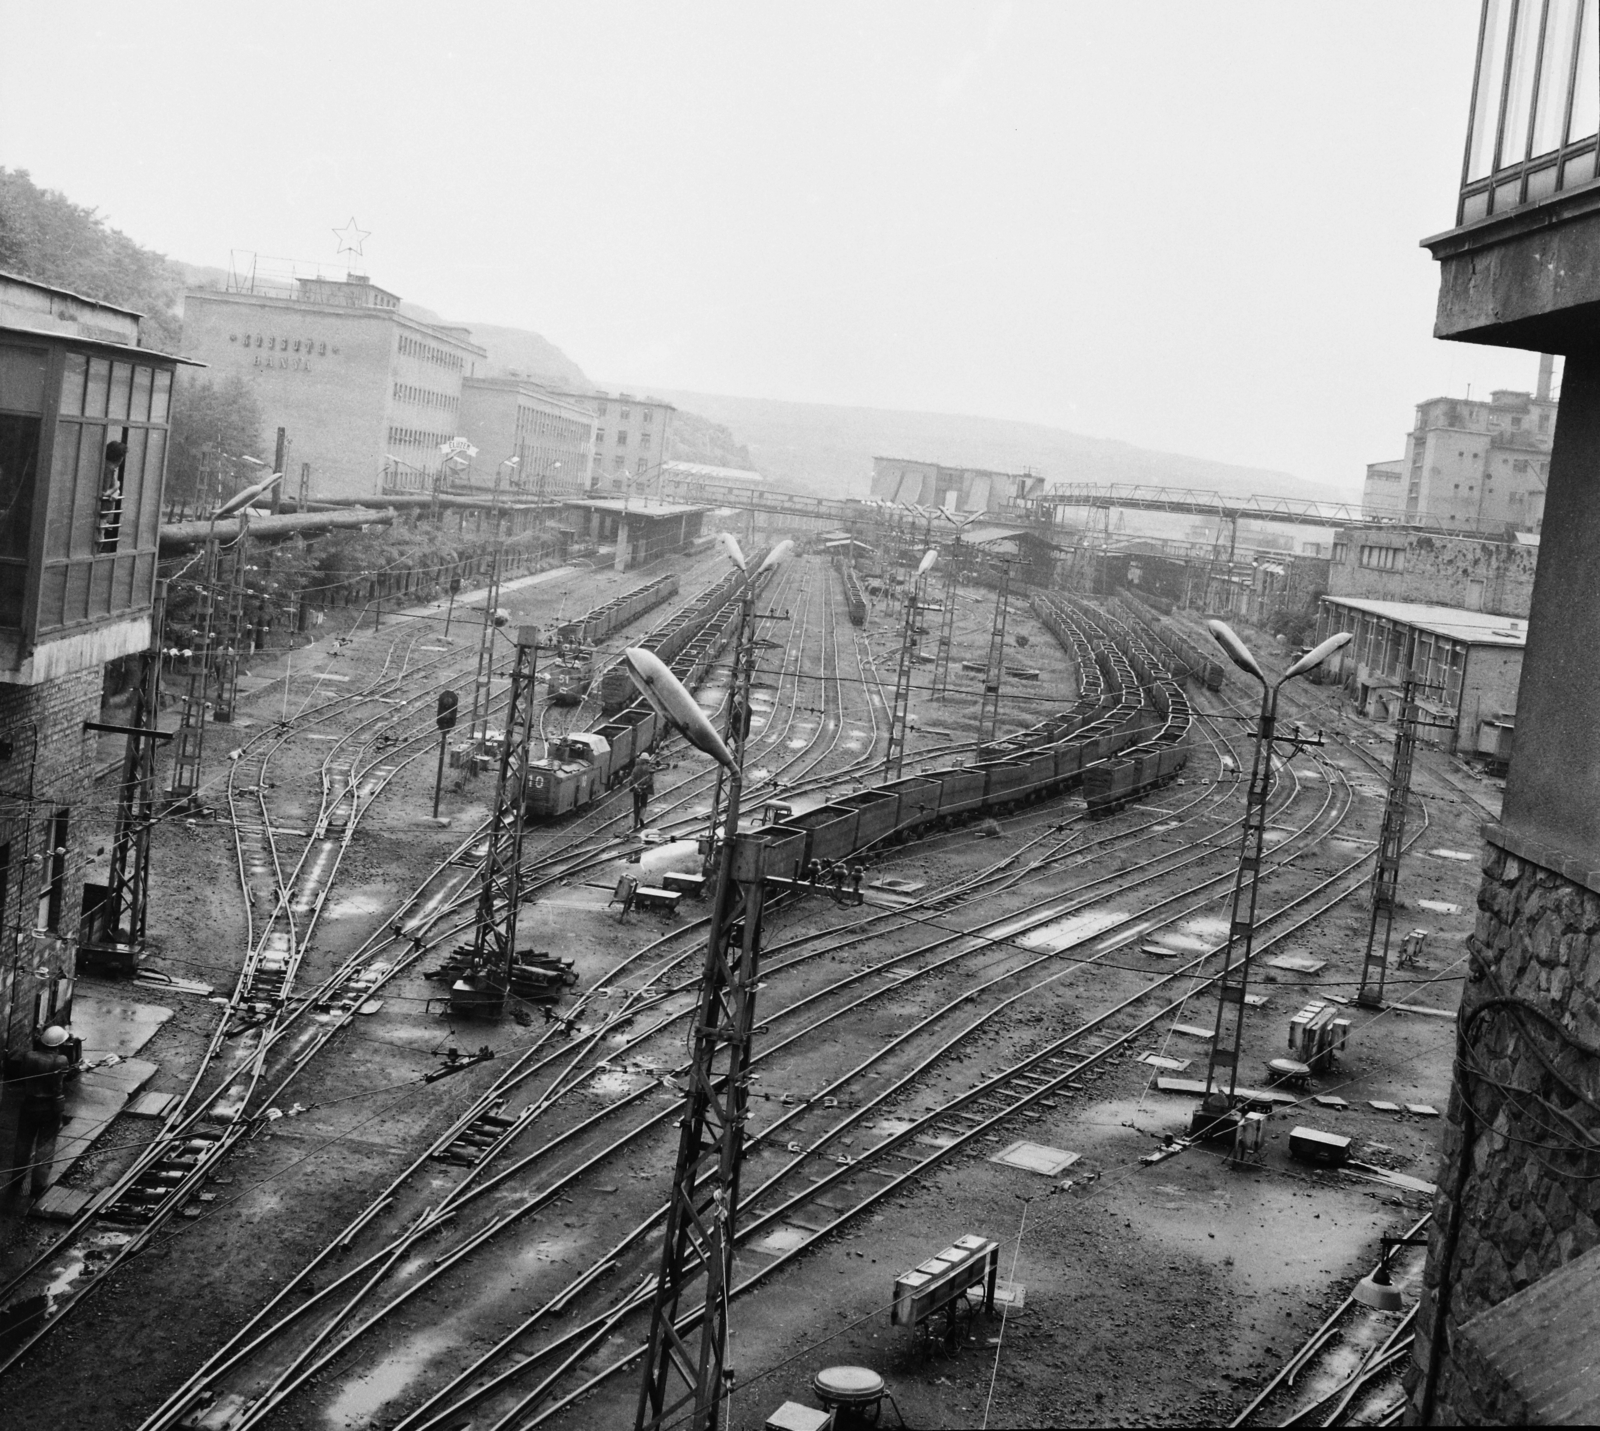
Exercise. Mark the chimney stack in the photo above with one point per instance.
(1547, 365)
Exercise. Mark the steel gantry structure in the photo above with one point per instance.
(483, 985)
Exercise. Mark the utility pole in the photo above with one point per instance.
(482, 988)
(686, 1378)
(1215, 1115)
(994, 667)
(115, 938)
(485, 673)
(895, 751)
(1391, 839)
(947, 623)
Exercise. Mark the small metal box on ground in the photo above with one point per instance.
(1312, 1145)
(792, 1416)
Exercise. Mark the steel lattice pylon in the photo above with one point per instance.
(1228, 1035)
(895, 751)
(685, 1378)
(187, 758)
(231, 641)
(1391, 841)
(122, 918)
(947, 621)
(994, 667)
(484, 677)
(482, 988)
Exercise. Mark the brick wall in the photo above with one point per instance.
(62, 779)
(1439, 571)
(1512, 1205)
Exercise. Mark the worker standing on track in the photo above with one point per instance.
(644, 787)
(43, 1075)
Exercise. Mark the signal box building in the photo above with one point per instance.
(83, 443)
(1519, 1195)
(366, 394)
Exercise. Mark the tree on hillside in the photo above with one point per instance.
(48, 238)
(214, 424)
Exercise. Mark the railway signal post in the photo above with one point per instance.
(445, 719)
(994, 667)
(483, 986)
(482, 681)
(1215, 1117)
(685, 1377)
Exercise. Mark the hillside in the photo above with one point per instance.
(829, 450)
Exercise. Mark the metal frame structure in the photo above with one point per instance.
(1391, 842)
(685, 1376)
(895, 748)
(947, 621)
(483, 986)
(484, 676)
(994, 666)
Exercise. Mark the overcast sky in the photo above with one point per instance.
(1191, 226)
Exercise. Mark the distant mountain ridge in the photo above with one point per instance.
(829, 449)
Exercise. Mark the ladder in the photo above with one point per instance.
(481, 682)
(947, 623)
(894, 754)
(232, 638)
(192, 724)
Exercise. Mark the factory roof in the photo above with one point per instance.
(1474, 628)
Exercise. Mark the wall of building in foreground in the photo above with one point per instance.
(1373, 564)
(51, 769)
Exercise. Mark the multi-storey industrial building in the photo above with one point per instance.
(1471, 465)
(959, 489)
(83, 443)
(530, 439)
(630, 439)
(366, 394)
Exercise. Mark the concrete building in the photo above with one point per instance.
(1518, 1196)
(1474, 659)
(630, 439)
(1383, 493)
(1493, 574)
(644, 531)
(1480, 466)
(83, 443)
(366, 394)
(551, 438)
(959, 489)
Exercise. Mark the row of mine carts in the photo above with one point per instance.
(1183, 658)
(581, 766)
(855, 597)
(1125, 735)
(569, 675)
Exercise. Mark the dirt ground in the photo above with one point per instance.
(1149, 1293)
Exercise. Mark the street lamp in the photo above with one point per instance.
(512, 462)
(1214, 1116)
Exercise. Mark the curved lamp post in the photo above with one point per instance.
(1215, 1114)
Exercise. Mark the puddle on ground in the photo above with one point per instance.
(354, 904)
(615, 1083)
(360, 1399)
(1074, 929)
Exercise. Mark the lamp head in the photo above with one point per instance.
(250, 495)
(730, 549)
(777, 556)
(675, 705)
(928, 559)
(1318, 654)
(1227, 638)
(1378, 1292)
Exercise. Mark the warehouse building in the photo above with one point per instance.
(1472, 658)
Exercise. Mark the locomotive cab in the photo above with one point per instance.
(571, 774)
(570, 675)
